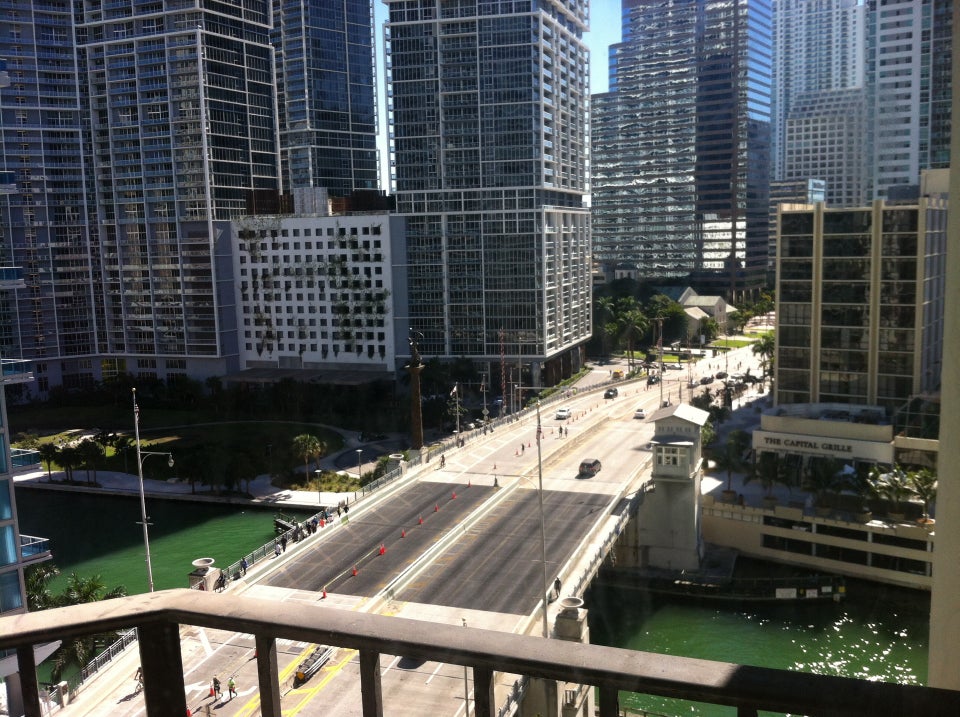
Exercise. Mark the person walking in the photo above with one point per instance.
(232, 687)
(216, 687)
(139, 679)
(243, 565)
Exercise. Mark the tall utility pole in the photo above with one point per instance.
(659, 321)
(415, 367)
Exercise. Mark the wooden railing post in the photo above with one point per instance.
(483, 700)
(371, 691)
(29, 688)
(268, 675)
(609, 701)
(162, 669)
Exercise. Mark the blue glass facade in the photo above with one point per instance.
(681, 143)
(326, 89)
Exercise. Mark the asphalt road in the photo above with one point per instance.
(496, 566)
(405, 525)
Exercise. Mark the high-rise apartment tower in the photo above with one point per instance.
(819, 98)
(489, 104)
(327, 94)
(681, 144)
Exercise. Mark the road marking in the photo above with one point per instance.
(205, 643)
(434, 673)
(254, 704)
(309, 694)
(390, 666)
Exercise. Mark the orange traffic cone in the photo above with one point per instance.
(323, 596)
(436, 508)
(420, 522)
(454, 497)
(211, 691)
(382, 549)
(354, 571)
(403, 533)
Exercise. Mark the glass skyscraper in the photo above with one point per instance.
(489, 105)
(819, 97)
(681, 144)
(327, 94)
(135, 131)
(909, 51)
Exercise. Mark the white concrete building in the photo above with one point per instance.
(315, 290)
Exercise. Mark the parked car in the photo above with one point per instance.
(651, 380)
(590, 467)
(610, 393)
(706, 379)
(563, 414)
(721, 374)
(640, 413)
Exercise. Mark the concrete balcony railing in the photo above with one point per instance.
(159, 616)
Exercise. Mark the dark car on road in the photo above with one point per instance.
(610, 393)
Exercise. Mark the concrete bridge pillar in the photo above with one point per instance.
(548, 698)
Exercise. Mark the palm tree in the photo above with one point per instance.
(90, 452)
(69, 458)
(80, 650)
(634, 324)
(730, 459)
(823, 476)
(305, 447)
(924, 485)
(48, 454)
(764, 347)
(37, 578)
(767, 470)
(896, 487)
(606, 313)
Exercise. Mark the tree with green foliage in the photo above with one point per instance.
(69, 458)
(924, 485)
(305, 447)
(76, 651)
(764, 347)
(634, 324)
(48, 454)
(91, 454)
(730, 457)
(605, 314)
(823, 476)
(80, 650)
(662, 307)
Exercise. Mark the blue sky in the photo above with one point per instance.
(604, 31)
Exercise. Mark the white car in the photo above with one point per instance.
(563, 414)
(640, 413)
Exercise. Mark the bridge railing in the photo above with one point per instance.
(159, 617)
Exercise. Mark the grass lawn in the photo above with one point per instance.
(732, 343)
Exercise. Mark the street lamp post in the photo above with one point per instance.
(466, 683)
(319, 473)
(141, 457)
(359, 463)
(456, 407)
(543, 533)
